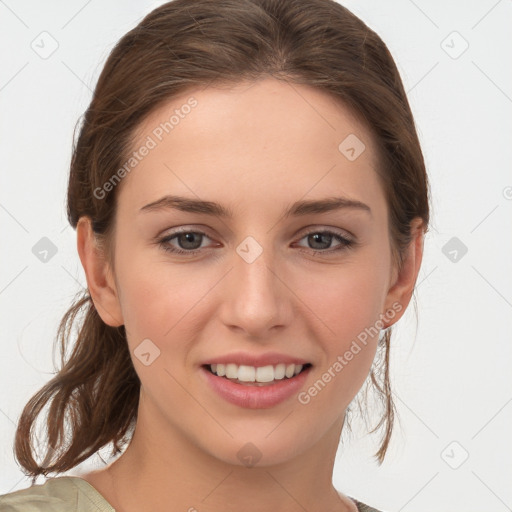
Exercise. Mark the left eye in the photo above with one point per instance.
(323, 238)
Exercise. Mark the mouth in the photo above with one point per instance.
(257, 376)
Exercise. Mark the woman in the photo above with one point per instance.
(250, 200)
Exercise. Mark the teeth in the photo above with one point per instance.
(245, 373)
(262, 374)
(279, 371)
(231, 371)
(256, 374)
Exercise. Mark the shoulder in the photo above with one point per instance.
(61, 494)
(361, 507)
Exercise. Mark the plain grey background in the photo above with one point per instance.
(450, 371)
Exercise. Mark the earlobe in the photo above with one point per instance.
(100, 283)
(400, 293)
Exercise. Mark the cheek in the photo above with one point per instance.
(346, 299)
(346, 302)
(349, 308)
(164, 302)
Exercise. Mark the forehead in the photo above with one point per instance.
(251, 142)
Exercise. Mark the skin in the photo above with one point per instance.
(255, 148)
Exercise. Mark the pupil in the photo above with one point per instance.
(318, 236)
(188, 241)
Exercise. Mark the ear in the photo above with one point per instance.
(100, 282)
(403, 280)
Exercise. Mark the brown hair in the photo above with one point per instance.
(191, 43)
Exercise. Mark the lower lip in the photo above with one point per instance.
(256, 397)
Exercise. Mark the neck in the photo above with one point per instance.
(164, 470)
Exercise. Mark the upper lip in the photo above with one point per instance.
(244, 358)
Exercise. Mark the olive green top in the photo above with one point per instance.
(71, 494)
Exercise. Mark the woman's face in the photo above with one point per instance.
(259, 281)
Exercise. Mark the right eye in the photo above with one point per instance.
(189, 242)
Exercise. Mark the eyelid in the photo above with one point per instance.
(316, 228)
(174, 230)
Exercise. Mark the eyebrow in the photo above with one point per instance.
(299, 208)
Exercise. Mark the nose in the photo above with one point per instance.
(256, 300)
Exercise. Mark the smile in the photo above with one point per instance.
(279, 383)
(256, 374)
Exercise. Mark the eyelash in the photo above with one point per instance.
(345, 243)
